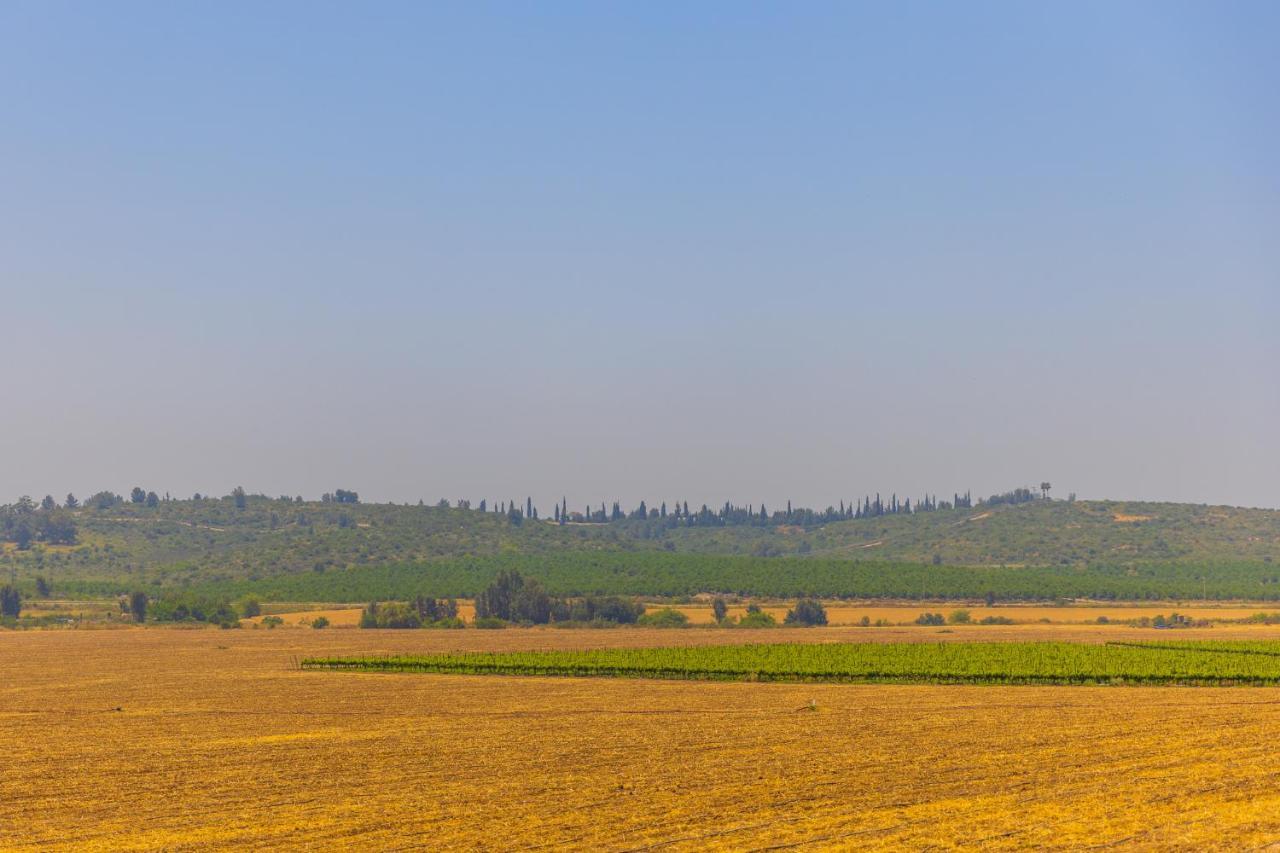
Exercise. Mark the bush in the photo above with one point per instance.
(392, 614)
(186, 609)
(808, 612)
(271, 621)
(960, 617)
(447, 622)
(756, 619)
(930, 619)
(664, 618)
(249, 607)
(999, 620)
(320, 622)
(608, 608)
(489, 622)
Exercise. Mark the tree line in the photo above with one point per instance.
(677, 514)
(511, 597)
(25, 523)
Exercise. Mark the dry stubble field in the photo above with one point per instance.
(219, 743)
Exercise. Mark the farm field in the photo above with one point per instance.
(1170, 662)
(849, 613)
(150, 738)
(842, 613)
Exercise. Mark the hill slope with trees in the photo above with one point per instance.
(111, 543)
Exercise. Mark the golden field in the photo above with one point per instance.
(845, 613)
(849, 613)
(199, 739)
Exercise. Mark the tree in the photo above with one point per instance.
(496, 599)
(531, 604)
(42, 587)
(237, 495)
(58, 528)
(719, 609)
(22, 535)
(808, 611)
(48, 504)
(153, 500)
(71, 502)
(138, 606)
(10, 601)
(1044, 490)
(138, 495)
(433, 609)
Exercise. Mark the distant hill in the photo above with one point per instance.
(1036, 533)
(198, 542)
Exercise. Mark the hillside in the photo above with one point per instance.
(212, 541)
(1035, 533)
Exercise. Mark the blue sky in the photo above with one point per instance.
(635, 250)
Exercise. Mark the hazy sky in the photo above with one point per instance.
(641, 250)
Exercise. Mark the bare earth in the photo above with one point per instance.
(198, 739)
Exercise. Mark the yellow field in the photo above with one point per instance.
(841, 613)
(156, 738)
(345, 616)
(846, 613)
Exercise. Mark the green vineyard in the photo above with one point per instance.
(1200, 663)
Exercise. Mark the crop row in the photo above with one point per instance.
(977, 663)
(683, 574)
